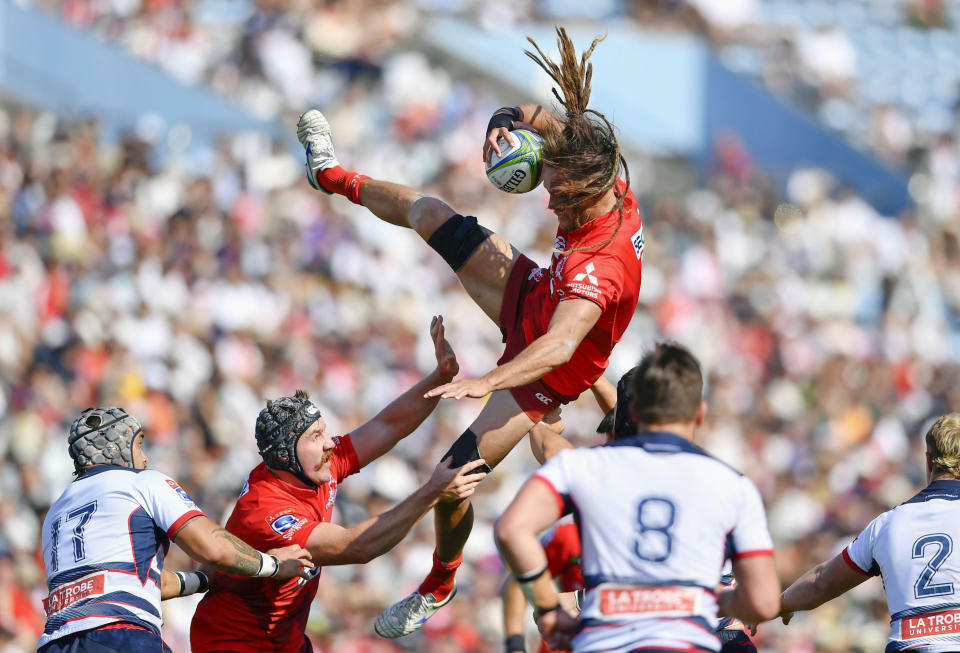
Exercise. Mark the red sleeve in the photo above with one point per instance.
(177, 525)
(344, 461)
(751, 554)
(850, 563)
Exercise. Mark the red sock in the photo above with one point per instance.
(343, 182)
(439, 581)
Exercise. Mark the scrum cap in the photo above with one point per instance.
(279, 427)
(103, 436)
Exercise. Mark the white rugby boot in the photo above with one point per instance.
(408, 614)
(313, 132)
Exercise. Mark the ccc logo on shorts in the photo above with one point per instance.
(544, 398)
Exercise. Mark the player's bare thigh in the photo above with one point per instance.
(485, 273)
(500, 426)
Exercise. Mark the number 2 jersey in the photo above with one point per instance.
(911, 547)
(104, 540)
(256, 616)
(658, 518)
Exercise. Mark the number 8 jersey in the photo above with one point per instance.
(104, 540)
(911, 546)
(658, 518)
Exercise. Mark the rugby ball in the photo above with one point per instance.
(519, 168)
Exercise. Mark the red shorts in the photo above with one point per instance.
(536, 399)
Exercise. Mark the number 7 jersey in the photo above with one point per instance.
(912, 548)
(104, 540)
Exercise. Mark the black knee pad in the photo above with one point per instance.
(457, 239)
(465, 450)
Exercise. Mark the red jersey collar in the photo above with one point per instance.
(262, 474)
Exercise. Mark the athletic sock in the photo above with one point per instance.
(439, 581)
(340, 181)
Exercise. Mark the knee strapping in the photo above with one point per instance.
(465, 450)
(457, 239)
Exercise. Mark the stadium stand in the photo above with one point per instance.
(188, 286)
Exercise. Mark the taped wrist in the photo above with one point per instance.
(269, 566)
(542, 611)
(504, 117)
(192, 582)
(516, 643)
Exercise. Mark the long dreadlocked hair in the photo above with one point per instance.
(584, 149)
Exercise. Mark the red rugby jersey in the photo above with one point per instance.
(608, 275)
(250, 615)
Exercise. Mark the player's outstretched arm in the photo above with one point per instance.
(330, 544)
(756, 597)
(823, 583)
(525, 116)
(546, 440)
(208, 543)
(571, 322)
(182, 583)
(404, 414)
(169, 585)
(514, 616)
(533, 510)
(605, 393)
(539, 117)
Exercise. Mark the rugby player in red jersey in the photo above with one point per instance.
(288, 499)
(559, 323)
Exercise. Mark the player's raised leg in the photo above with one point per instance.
(482, 259)
(501, 424)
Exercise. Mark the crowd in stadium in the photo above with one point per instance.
(190, 287)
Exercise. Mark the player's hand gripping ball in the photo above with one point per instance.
(519, 168)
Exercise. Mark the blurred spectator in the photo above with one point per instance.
(189, 288)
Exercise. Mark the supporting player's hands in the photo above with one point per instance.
(554, 420)
(558, 628)
(295, 561)
(455, 483)
(477, 388)
(491, 143)
(447, 365)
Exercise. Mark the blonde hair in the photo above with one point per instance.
(943, 445)
(583, 148)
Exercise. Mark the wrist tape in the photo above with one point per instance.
(192, 582)
(504, 117)
(269, 566)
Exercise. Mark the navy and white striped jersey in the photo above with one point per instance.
(911, 547)
(104, 540)
(658, 518)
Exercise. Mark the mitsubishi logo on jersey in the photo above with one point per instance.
(587, 274)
